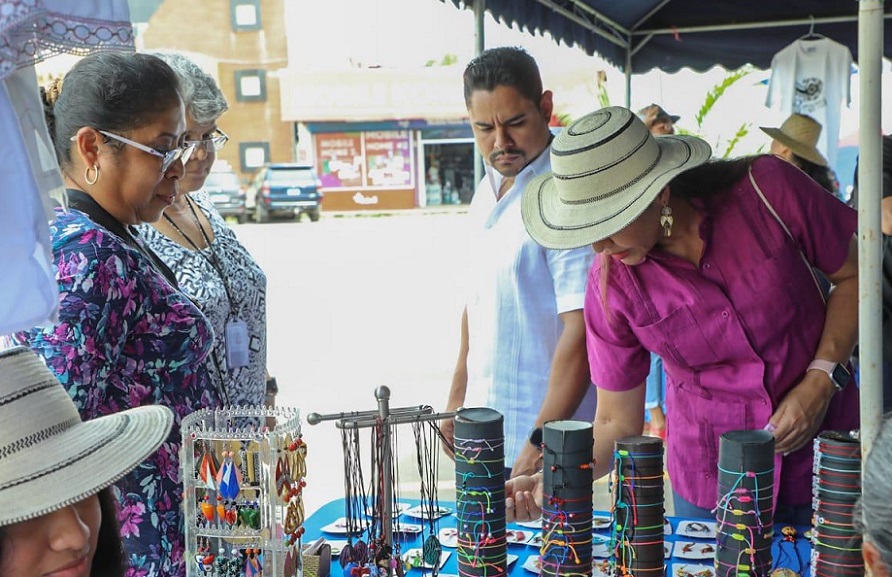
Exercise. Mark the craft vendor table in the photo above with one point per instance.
(794, 556)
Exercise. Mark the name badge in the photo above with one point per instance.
(236, 343)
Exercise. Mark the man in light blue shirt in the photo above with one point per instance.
(523, 334)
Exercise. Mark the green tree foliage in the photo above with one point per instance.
(712, 97)
(447, 60)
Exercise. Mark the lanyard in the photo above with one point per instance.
(85, 203)
(212, 260)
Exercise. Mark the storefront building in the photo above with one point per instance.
(383, 139)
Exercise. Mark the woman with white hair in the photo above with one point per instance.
(209, 262)
(707, 263)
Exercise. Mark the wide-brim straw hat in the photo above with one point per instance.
(49, 458)
(800, 134)
(607, 169)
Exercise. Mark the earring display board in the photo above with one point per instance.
(745, 509)
(482, 548)
(567, 505)
(243, 492)
(638, 507)
(836, 545)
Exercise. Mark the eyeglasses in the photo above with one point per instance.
(215, 142)
(167, 158)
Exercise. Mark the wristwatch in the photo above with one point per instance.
(838, 373)
(536, 438)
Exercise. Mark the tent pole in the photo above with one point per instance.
(870, 51)
(479, 47)
(627, 69)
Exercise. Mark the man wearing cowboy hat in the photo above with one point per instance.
(522, 329)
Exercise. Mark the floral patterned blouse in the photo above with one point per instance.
(127, 338)
(245, 283)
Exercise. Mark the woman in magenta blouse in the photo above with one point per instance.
(708, 264)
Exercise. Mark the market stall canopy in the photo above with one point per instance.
(671, 34)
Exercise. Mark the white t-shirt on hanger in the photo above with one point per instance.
(812, 77)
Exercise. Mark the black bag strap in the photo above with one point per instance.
(79, 200)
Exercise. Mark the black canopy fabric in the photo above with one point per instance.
(671, 34)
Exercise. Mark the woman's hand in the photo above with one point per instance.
(523, 498)
(801, 412)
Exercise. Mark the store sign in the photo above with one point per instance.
(387, 162)
(388, 158)
(364, 94)
(339, 159)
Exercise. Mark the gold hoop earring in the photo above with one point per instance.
(95, 167)
(666, 220)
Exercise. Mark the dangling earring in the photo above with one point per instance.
(87, 174)
(666, 220)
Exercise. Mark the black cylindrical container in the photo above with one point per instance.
(480, 493)
(638, 506)
(836, 546)
(745, 511)
(567, 498)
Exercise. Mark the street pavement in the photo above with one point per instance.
(357, 302)
(354, 303)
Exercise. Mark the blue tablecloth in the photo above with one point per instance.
(792, 555)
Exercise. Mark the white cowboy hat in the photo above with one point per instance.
(800, 134)
(49, 458)
(606, 170)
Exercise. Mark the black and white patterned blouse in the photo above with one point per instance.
(247, 282)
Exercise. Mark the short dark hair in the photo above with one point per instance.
(113, 91)
(504, 66)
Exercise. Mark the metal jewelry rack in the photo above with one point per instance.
(383, 416)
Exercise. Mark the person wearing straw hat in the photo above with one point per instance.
(657, 120)
(796, 141)
(522, 330)
(708, 263)
(57, 513)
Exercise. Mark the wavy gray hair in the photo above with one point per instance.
(204, 100)
(873, 514)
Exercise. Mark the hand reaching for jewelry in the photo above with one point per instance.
(801, 412)
(523, 500)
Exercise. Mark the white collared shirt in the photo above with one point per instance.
(516, 290)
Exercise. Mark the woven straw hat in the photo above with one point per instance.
(606, 170)
(800, 134)
(49, 458)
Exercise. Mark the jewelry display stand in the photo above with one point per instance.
(382, 420)
(482, 547)
(638, 507)
(836, 543)
(243, 492)
(745, 507)
(567, 469)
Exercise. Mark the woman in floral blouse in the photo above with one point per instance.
(126, 335)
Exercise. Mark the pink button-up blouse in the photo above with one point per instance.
(736, 332)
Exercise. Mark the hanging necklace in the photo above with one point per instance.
(213, 260)
(426, 455)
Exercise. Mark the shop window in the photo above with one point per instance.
(253, 155)
(250, 85)
(245, 15)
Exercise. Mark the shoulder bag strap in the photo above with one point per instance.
(811, 268)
